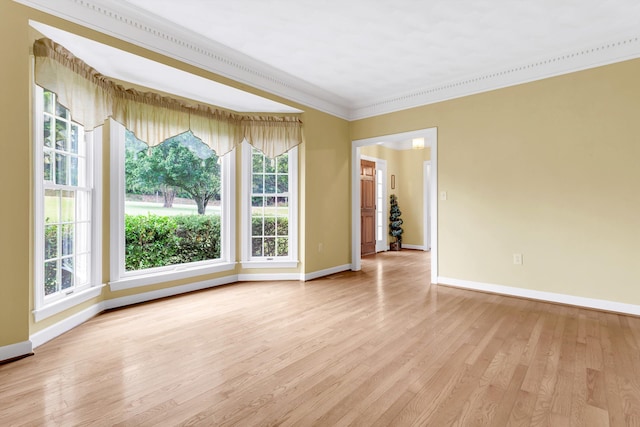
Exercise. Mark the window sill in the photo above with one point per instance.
(139, 280)
(269, 264)
(67, 302)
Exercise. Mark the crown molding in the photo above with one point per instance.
(619, 50)
(120, 20)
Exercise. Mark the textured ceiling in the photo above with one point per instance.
(362, 51)
(361, 58)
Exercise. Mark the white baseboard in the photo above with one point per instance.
(416, 247)
(265, 277)
(598, 304)
(65, 325)
(325, 272)
(12, 351)
(167, 292)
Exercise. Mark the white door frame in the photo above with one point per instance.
(431, 140)
(426, 176)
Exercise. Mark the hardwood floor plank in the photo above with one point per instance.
(376, 347)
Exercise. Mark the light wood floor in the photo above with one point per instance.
(376, 347)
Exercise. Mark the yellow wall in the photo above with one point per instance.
(407, 166)
(548, 169)
(326, 139)
(15, 174)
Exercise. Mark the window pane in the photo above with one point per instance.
(74, 171)
(83, 238)
(167, 221)
(269, 246)
(270, 212)
(48, 101)
(269, 165)
(256, 226)
(283, 202)
(47, 166)
(283, 226)
(257, 186)
(82, 270)
(67, 239)
(258, 163)
(283, 246)
(257, 201)
(269, 184)
(74, 138)
(47, 131)
(66, 216)
(68, 204)
(50, 277)
(270, 226)
(256, 246)
(83, 206)
(66, 274)
(283, 183)
(61, 169)
(51, 241)
(270, 204)
(62, 136)
(51, 206)
(61, 111)
(283, 163)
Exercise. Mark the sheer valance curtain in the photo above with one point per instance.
(92, 98)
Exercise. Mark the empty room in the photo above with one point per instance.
(320, 213)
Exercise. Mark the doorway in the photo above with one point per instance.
(431, 140)
(367, 207)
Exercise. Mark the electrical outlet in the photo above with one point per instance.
(517, 259)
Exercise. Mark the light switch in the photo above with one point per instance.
(443, 195)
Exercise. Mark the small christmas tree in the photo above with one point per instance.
(395, 222)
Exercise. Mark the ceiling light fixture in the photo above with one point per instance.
(417, 143)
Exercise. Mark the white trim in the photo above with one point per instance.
(228, 197)
(431, 140)
(325, 272)
(96, 209)
(433, 206)
(598, 304)
(65, 325)
(414, 247)
(269, 264)
(426, 202)
(168, 292)
(129, 24)
(116, 198)
(180, 272)
(268, 277)
(11, 351)
(68, 302)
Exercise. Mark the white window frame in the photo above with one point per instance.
(48, 306)
(122, 279)
(248, 261)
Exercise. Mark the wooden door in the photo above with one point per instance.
(367, 207)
